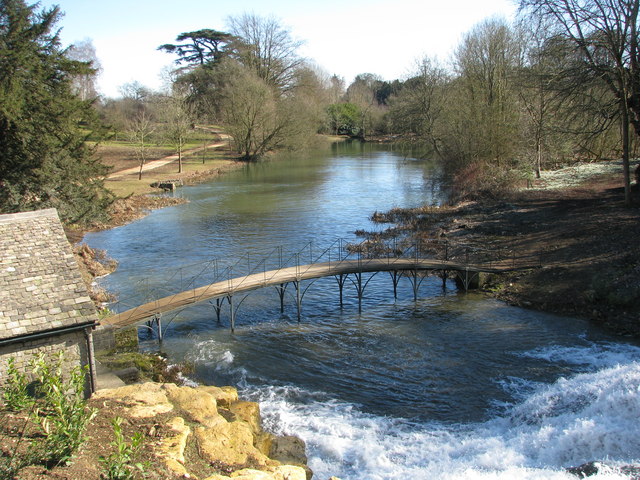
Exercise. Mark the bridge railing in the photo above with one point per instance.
(164, 282)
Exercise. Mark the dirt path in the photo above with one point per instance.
(153, 164)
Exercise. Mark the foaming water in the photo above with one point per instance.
(452, 385)
(588, 416)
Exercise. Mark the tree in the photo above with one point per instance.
(178, 122)
(345, 119)
(264, 46)
(140, 129)
(84, 84)
(604, 38)
(485, 62)
(417, 108)
(200, 47)
(250, 113)
(45, 160)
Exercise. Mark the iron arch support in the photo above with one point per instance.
(416, 280)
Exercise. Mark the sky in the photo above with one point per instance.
(346, 38)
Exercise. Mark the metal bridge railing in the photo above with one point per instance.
(211, 271)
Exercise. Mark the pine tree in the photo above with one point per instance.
(45, 160)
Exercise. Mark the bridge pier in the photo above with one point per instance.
(232, 312)
(341, 279)
(281, 291)
(395, 278)
(359, 290)
(469, 280)
(416, 281)
(218, 308)
(157, 321)
(298, 299)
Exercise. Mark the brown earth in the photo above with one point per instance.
(577, 248)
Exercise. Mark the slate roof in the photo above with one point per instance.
(41, 288)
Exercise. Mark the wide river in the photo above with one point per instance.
(451, 386)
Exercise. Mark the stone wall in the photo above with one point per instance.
(104, 338)
(73, 345)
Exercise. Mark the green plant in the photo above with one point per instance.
(120, 464)
(15, 394)
(61, 410)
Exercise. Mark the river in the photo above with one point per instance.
(453, 385)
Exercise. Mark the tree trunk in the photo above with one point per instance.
(538, 156)
(625, 153)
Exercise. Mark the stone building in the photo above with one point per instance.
(44, 303)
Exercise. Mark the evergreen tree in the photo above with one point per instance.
(44, 157)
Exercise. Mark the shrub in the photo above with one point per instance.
(120, 464)
(61, 410)
(15, 394)
(56, 417)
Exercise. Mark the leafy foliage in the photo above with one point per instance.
(120, 464)
(45, 160)
(15, 394)
(62, 412)
(345, 119)
(199, 47)
(57, 415)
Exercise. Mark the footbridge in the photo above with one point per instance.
(342, 260)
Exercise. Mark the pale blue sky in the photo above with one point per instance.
(342, 37)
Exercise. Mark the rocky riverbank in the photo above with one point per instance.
(188, 432)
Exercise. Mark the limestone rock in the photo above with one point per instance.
(240, 442)
(289, 472)
(248, 412)
(283, 472)
(263, 441)
(251, 474)
(141, 400)
(288, 450)
(225, 396)
(200, 406)
(229, 442)
(172, 448)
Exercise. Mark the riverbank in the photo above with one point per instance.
(185, 432)
(575, 229)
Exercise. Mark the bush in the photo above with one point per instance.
(15, 393)
(61, 411)
(120, 464)
(56, 415)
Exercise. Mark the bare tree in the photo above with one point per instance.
(485, 61)
(604, 36)
(84, 83)
(418, 108)
(140, 130)
(267, 48)
(179, 122)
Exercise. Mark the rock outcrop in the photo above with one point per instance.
(226, 433)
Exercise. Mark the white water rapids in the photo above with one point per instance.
(594, 415)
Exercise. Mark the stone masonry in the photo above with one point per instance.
(44, 303)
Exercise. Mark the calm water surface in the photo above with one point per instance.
(451, 386)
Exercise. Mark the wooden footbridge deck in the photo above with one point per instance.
(415, 268)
